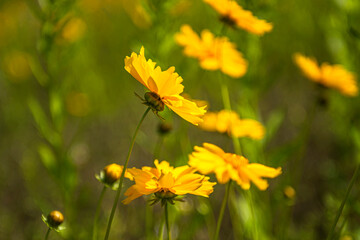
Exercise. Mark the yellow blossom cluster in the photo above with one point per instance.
(332, 76)
(229, 122)
(212, 159)
(165, 87)
(212, 52)
(234, 14)
(167, 182)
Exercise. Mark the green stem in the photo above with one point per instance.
(332, 230)
(167, 221)
(47, 233)
(222, 210)
(158, 145)
(97, 212)
(161, 230)
(252, 209)
(227, 105)
(123, 174)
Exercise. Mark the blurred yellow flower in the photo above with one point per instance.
(78, 104)
(332, 76)
(167, 182)
(226, 166)
(289, 192)
(165, 88)
(233, 14)
(16, 65)
(213, 53)
(230, 122)
(73, 30)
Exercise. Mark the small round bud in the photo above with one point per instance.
(112, 173)
(289, 192)
(153, 100)
(164, 128)
(55, 218)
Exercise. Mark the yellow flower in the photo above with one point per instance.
(226, 166)
(213, 53)
(165, 87)
(167, 182)
(332, 76)
(230, 122)
(234, 14)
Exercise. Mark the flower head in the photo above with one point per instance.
(212, 52)
(226, 166)
(165, 88)
(167, 182)
(229, 122)
(332, 76)
(233, 14)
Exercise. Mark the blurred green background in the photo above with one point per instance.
(67, 109)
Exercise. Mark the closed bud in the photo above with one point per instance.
(112, 173)
(55, 218)
(164, 128)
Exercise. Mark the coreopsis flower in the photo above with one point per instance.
(234, 15)
(229, 122)
(165, 88)
(167, 182)
(226, 166)
(332, 76)
(213, 53)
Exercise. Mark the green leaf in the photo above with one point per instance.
(47, 157)
(43, 123)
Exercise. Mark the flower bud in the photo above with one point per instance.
(55, 218)
(154, 101)
(112, 173)
(289, 192)
(164, 128)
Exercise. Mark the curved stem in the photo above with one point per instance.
(167, 221)
(222, 210)
(332, 230)
(123, 174)
(97, 212)
(47, 233)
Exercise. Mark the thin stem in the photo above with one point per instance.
(167, 221)
(47, 233)
(97, 212)
(252, 209)
(332, 230)
(227, 105)
(158, 145)
(222, 210)
(123, 174)
(161, 230)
